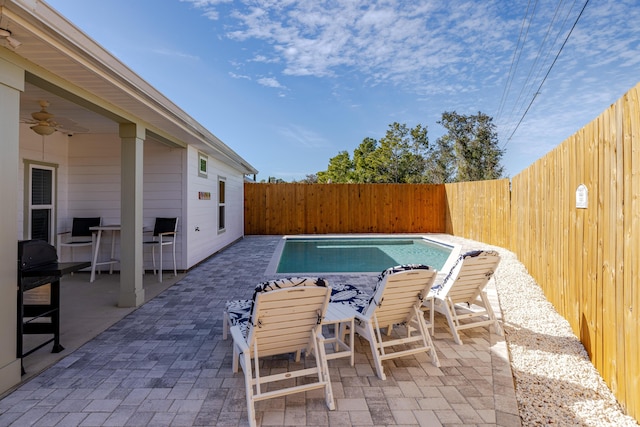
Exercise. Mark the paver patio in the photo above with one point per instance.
(166, 364)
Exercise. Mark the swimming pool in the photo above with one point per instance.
(356, 254)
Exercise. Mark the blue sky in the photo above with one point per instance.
(288, 84)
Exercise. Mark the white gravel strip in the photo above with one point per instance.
(556, 383)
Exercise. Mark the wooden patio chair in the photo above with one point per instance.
(396, 300)
(286, 317)
(462, 298)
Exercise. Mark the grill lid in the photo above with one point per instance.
(35, 253)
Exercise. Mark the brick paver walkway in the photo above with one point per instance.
(166, 364)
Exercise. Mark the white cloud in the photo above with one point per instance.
(300, 135)
(270, 82)
(264, 59)
(209, 7)
(409, 44)
(175, 54)
(388, 42)
(239, 76)
(431, 48)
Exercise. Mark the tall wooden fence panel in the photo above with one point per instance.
(479, 211)
(343, 208)
(587, 258)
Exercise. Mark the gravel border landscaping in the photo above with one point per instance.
(556, 383)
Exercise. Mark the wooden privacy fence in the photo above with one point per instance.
(587, 260)
(575, 225)
(343, 208)
(479, 211)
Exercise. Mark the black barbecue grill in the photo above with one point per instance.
(38, 266)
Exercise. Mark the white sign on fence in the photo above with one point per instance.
(582, 197)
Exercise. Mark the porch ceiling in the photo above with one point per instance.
(90, 90)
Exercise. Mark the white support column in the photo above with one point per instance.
(131, 290)
(11, 84)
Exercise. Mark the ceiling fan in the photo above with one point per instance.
(43, 124)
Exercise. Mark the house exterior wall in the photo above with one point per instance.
(11, 82)
(88, 168)
(88, 184)
(95, 185)
(201, 226)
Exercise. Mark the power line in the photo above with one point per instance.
(517, 53)
(535, 95)
(527, 86)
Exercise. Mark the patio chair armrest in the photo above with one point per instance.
(320, 337)
(360, 317)
(238, 338)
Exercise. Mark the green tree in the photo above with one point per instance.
(310, 178)
(469, 150)
(364, 169)
(340, 169)
(440, 163)
(400, 157)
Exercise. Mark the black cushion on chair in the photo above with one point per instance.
(164, 225)
(80, 226)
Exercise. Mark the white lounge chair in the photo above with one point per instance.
(396, 300)
(462, 298)
(285, 317)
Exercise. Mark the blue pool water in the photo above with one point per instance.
(359, 255)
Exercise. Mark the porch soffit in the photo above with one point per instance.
(65, 62)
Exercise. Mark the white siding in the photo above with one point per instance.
(164, 195)
(88, 184)
(203, 214)
(95, 184)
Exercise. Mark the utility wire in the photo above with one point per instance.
(517, 53)
(528, 85)
(535, 95)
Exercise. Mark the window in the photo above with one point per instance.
(203, 167)
(40, 202)
(221, 203)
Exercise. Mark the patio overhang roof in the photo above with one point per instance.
(94, 87)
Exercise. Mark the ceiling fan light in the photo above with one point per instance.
(42, 129)
(13, 42)
(41, 116)
(10, 40)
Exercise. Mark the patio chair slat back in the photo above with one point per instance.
(284, 317)
(462, 297)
